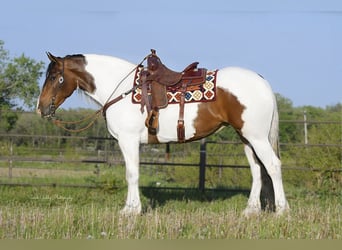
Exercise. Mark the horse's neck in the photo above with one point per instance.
(109, 74)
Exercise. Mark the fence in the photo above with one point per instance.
(218, 164)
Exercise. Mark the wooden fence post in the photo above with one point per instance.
(202, 165)
(10, 166)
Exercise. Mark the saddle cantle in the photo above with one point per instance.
(157, 79)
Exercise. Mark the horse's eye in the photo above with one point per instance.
(52, 78)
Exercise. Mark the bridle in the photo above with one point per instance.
(52, 106)
(92, 117)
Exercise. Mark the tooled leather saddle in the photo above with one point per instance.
(157, 78)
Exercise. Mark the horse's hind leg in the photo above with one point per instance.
(253, 205)
(272, 164)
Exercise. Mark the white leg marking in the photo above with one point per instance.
(253, 205)
(130, 149)
(273, 166)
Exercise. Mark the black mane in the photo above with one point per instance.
(50, 66)
(74, 56)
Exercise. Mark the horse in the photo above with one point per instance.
(244, 100)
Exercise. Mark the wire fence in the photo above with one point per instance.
(24, 159)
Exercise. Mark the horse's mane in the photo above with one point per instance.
(74, 56)
(50, 66)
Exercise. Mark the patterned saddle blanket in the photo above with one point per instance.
(205, 92)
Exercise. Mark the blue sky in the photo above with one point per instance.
(295, 45)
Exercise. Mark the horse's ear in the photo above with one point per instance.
(51, 57)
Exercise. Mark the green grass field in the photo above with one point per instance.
(75, 213)
(37, 212)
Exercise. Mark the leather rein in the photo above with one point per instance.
(92, 117)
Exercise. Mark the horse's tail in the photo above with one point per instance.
(273, 135)
(267, 191)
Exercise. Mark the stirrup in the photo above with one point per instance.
(152, 122)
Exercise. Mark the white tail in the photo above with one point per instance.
(273, 135)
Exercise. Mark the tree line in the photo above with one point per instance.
(19, 90)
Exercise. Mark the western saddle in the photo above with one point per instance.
(158, 79)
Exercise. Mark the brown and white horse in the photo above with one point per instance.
(243, 100)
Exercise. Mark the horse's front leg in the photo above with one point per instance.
(130, 149)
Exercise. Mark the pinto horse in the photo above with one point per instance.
(244, 100)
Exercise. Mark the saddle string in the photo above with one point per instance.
(95, 116)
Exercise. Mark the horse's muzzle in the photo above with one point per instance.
(47, 112)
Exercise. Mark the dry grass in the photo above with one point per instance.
(68, 216)
(43, 173)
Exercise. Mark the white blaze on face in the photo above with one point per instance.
(37, 106)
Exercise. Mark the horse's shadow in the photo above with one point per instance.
(158, 197)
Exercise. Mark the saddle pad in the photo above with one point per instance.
(205, 92)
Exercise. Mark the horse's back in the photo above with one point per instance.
(243, 83)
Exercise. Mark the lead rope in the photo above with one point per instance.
(93, 117)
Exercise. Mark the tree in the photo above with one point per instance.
(18, 79)
(18, 83)
(288, 132)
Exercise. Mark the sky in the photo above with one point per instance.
(296, 45)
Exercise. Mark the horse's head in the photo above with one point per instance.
(63, 76)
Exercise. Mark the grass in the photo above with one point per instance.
(79, 213)
(69, 213)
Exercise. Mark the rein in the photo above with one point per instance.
(93, 117)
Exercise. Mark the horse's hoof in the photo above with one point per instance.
(251, 212)
(281, 211)
(131, 210)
